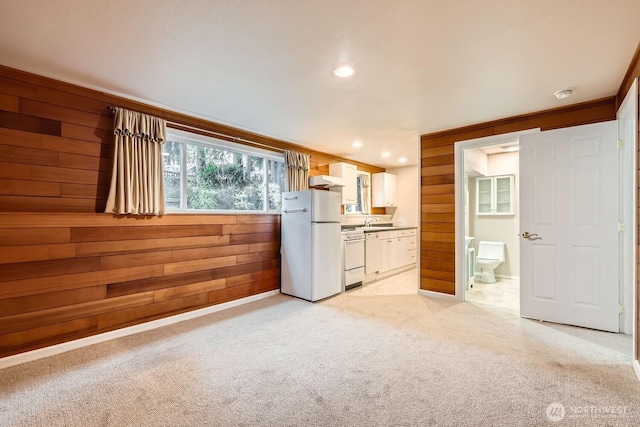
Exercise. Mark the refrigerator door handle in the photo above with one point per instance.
(291, 198)
(295, 210)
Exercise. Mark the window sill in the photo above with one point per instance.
(221, 212)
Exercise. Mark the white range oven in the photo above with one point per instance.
(352, 259)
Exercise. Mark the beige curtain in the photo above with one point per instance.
(365, 194)
(297, 166)
(136, 184)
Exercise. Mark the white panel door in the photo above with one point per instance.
(569, 199)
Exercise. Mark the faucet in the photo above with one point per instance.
(368, 221)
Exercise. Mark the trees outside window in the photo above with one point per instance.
(214, 175)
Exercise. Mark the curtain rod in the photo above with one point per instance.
(207, 132)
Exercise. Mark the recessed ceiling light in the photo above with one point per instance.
(357, 144)
(562, 94)
(402, 159)
(344, 71)
(385, 154)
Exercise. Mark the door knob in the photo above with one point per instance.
(527, 235)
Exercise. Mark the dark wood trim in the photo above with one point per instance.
(523, 118)
(633, 71)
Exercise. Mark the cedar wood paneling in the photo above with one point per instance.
(67, 270)
(437, 206)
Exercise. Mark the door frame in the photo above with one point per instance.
(459, 148)
(628, 212)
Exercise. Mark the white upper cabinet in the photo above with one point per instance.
(349, 175)
(384, 190)
(494, 195)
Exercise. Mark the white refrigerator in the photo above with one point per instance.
(310, 244)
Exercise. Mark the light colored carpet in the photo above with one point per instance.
(368, 357)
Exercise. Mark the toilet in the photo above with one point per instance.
(490, 255)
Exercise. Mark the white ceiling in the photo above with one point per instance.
(498, 149)
(267, 65)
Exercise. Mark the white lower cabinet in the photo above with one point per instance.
(412, 256)
(386, 243)
(372, 253)
(393, 246)
(402, 254)
(406, 248)
(389, 250)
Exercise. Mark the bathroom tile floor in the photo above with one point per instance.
(503, 293)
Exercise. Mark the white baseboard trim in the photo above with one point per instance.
(41, 353)
(439, 295)
(636, 367)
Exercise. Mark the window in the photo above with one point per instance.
(360, 208)
(207, 174)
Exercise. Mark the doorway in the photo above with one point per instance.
(491, 225)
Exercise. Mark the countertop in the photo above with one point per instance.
(374, 229)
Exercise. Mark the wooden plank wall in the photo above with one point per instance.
(67, 270)
(437, 220)
(66, 276)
